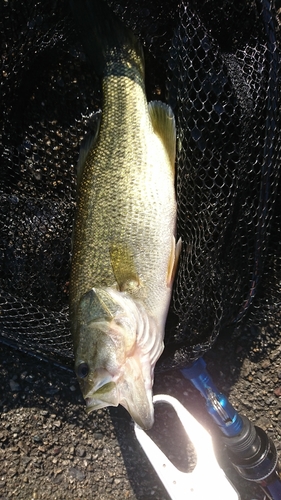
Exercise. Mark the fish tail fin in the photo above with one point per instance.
(104, 37)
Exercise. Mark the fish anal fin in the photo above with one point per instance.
(173, 261)
(164, 125)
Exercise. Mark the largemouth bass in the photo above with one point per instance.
(124, 251)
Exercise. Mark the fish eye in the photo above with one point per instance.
(82, 370)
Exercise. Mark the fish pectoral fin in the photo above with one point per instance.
(173, 261)
(135, 393)
(123, 267)
(164, 125)
(87, 144)
(97, 304)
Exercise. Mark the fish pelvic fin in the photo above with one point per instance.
(132, 390)
(164, 125)
(135, 392)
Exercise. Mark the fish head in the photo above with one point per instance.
(117, 349)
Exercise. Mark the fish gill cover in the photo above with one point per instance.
(217, 64)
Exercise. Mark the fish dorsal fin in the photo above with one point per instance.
(87, 144)
(173, 261)
(164, 125)
(96, 304)
(123, 266)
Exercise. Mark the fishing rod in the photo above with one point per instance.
(207, 480)
(250, 450)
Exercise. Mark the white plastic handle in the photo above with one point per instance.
(207, 480)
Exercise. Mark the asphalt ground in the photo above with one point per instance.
(51, 449)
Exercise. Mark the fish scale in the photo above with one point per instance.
(127, 195)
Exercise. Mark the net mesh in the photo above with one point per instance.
(216, 63)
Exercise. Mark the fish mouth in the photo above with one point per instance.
(129, 392)
(143, 414)
(106, 395)
(95, 404)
